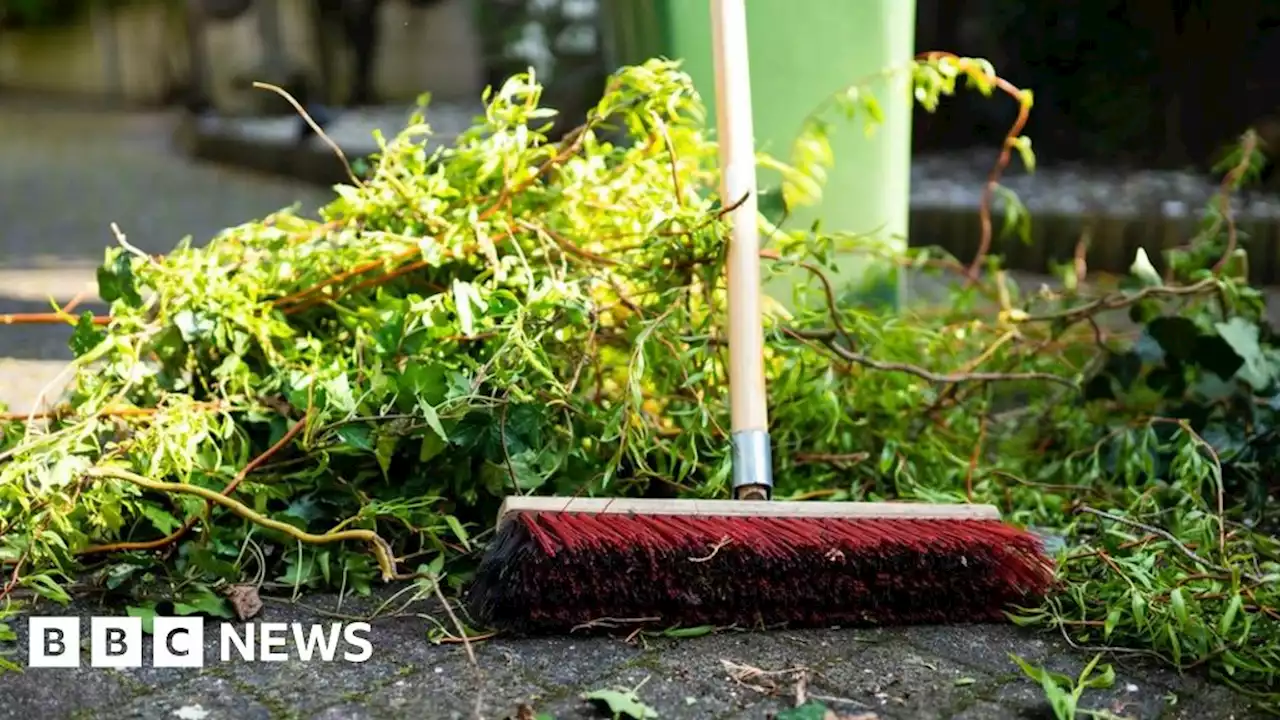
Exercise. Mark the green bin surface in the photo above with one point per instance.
(802, 51)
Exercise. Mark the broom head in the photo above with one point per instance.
(563, 563)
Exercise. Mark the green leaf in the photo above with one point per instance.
(1109, 625)
(1144, 271)
(811, 710)
(116, 280)
(1176, 335)
(86, 336)
(458, 531)
(146, 612)
(432, 445)
(1242, 336)
(358, 436)
(161, 520)
(203, 601)
(193, 326)
(622, 703)
(689, 632)
(429, 415)
(1138, 606)
(1088, 679)
(66, 471)
(1229, 615)
(386, 448)
(423, 383)
(1053, 685)
(45, 587)
(1179, 605)
(338, 393)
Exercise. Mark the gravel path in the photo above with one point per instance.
(64, 177)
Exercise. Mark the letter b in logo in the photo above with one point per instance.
(116, 642)
(178, 642)
(54, 642)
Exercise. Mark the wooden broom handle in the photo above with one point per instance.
(738, 180)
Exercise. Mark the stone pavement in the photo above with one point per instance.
(908, 673)
(65, 176)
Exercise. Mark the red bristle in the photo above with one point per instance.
(555, 569)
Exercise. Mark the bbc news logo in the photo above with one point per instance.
(178, 642)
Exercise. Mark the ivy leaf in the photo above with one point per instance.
(147, 613)
(305, 509)
(338, 393)
(203, 600)
(86, 336)
(1215, 354)
(1176, 335)
(524, 466)
(385, 449)
(116, 280)
(161, 520)
(357, 436)
(1242, 336)
(622, 702)
(422, 382)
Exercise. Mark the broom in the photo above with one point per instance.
(557, 563)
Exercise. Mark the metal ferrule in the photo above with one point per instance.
(752, 462)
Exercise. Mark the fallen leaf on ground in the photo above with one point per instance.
(244, 600)
(622, 702)
(814, 710)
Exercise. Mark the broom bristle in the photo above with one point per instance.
(548, 571)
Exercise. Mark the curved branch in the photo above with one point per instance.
(381, 550)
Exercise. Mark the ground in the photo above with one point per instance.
(64, 176)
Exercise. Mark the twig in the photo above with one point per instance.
(1010, 141)
(829, 458)
(129, 247)
(922, 373)
(47, 318)
(360, 269)
(612, 622)
(1118, 301)
(306, 117)
(120, 412)
(973, 459)
(186, 527)
(457, 624)
(381, 550)
(1248, 146)
(1167, 536)
(715, 549)
(833, 310)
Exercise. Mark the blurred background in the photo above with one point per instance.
(142, 112)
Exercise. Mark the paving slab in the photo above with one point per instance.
(914, 672)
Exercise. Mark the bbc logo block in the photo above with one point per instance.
(178, 642)
(115, 642)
